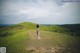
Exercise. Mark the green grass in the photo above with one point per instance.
(21, 40)
(55, 40)
(17, 39)
(16, 42)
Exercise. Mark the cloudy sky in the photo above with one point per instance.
(39, 11)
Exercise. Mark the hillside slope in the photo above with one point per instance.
(25, 42)
(21, 38)
(72, 29)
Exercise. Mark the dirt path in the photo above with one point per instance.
(33, 35)
(37, 44)
(44, 44)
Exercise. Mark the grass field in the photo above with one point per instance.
(22, 40)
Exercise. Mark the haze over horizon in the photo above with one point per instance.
(39, 11)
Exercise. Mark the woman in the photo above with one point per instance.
(37, 31)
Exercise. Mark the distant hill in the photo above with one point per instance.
(4, 25)
(72, 29)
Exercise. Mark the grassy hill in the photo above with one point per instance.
(8, 30)
(70, 29)
(21, 38)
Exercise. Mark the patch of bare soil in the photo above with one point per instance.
(45, 50)
(33, 35)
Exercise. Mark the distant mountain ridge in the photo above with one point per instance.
(3, 25)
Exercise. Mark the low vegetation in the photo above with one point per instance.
(20, 38)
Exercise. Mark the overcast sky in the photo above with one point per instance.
(39, 11)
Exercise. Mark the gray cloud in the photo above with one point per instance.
(52, 11)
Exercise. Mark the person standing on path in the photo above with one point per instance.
(38, 31)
